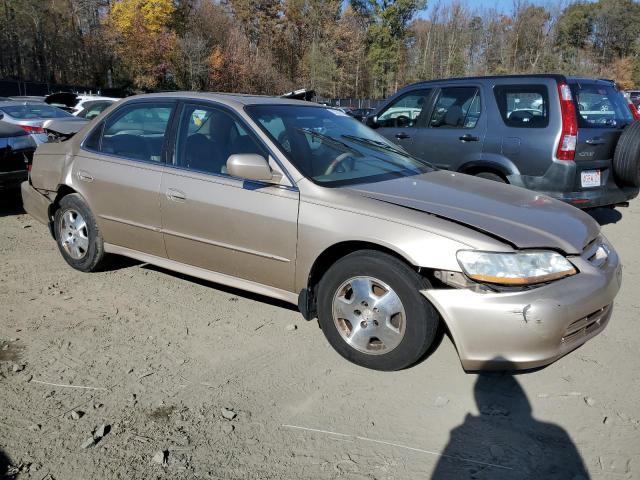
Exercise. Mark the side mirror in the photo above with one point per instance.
(371, 121)
(1, 115)
(250, 166)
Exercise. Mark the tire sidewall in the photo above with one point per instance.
(96, 250)
(421, 318)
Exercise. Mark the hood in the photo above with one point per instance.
(520, 217)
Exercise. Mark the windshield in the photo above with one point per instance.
(332, 148)
(33, 111)
(601, 106)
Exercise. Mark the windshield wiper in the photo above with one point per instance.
(385, 146)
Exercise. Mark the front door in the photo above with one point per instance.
(399, 120)
(118, 171)
(222, 223)
(454, 132)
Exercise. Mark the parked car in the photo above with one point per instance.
(360, 113)
(634, 96)
(75, 103)
(16, 154)
(93, 108)
(570, 138)
(305, 204)
(30, 116)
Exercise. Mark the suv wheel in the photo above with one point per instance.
(626, 159)
(372, 312)
(77, 235)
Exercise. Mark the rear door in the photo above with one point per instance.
(453, 133)
(118, 171)
(602, 112)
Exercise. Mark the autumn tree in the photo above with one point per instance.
(143, 42)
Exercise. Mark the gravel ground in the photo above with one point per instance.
(159, 375)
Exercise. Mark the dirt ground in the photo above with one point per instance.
(155, 357)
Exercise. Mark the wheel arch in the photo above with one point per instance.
(328, 257)
(62, 191)
(503, 168)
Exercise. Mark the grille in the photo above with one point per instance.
(584, 326)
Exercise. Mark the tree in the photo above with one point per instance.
(143, 42)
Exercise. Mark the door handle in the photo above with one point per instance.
(176, 195)
(84, 176)
(402, 135)
(595, 141)
(469, 138)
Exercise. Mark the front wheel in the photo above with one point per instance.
(372, 312)
(77, 234)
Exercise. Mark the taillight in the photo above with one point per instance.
(32, 129)
(569, 135)
(634, 110)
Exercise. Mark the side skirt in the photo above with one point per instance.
(204, 274)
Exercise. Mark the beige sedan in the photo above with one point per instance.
(302, 203)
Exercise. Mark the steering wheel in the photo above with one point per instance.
(402, 121)
(339, 160)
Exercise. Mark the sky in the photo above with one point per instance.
(505, 6)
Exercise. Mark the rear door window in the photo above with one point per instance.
(137, 131)
(456, 107)
(523, 106)
(600, 106)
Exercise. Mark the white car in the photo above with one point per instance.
(75, 103)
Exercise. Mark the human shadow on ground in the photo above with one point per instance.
(4, 465)
(505, 442)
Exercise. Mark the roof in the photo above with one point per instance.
(554, 76)
(238, 99)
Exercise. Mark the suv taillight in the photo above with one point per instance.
(634, 110)
(569, 135)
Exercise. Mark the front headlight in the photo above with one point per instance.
(518, 268)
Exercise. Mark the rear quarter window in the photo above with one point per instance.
(523, 106)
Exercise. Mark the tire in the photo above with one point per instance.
(626, 159)
(77, 234)
(490, 176)
(404, 336)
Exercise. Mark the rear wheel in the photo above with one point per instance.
(491, 176)
(626, 159)
(77, 234)
(372, 312)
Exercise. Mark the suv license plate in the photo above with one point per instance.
(590, 178)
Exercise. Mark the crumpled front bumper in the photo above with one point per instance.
(532, 328)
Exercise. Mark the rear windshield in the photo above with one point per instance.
(34, 111)
(600, 106)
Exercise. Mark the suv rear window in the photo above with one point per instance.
(523, 106)
(600, 105)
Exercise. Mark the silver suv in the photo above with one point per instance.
(571, 138)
